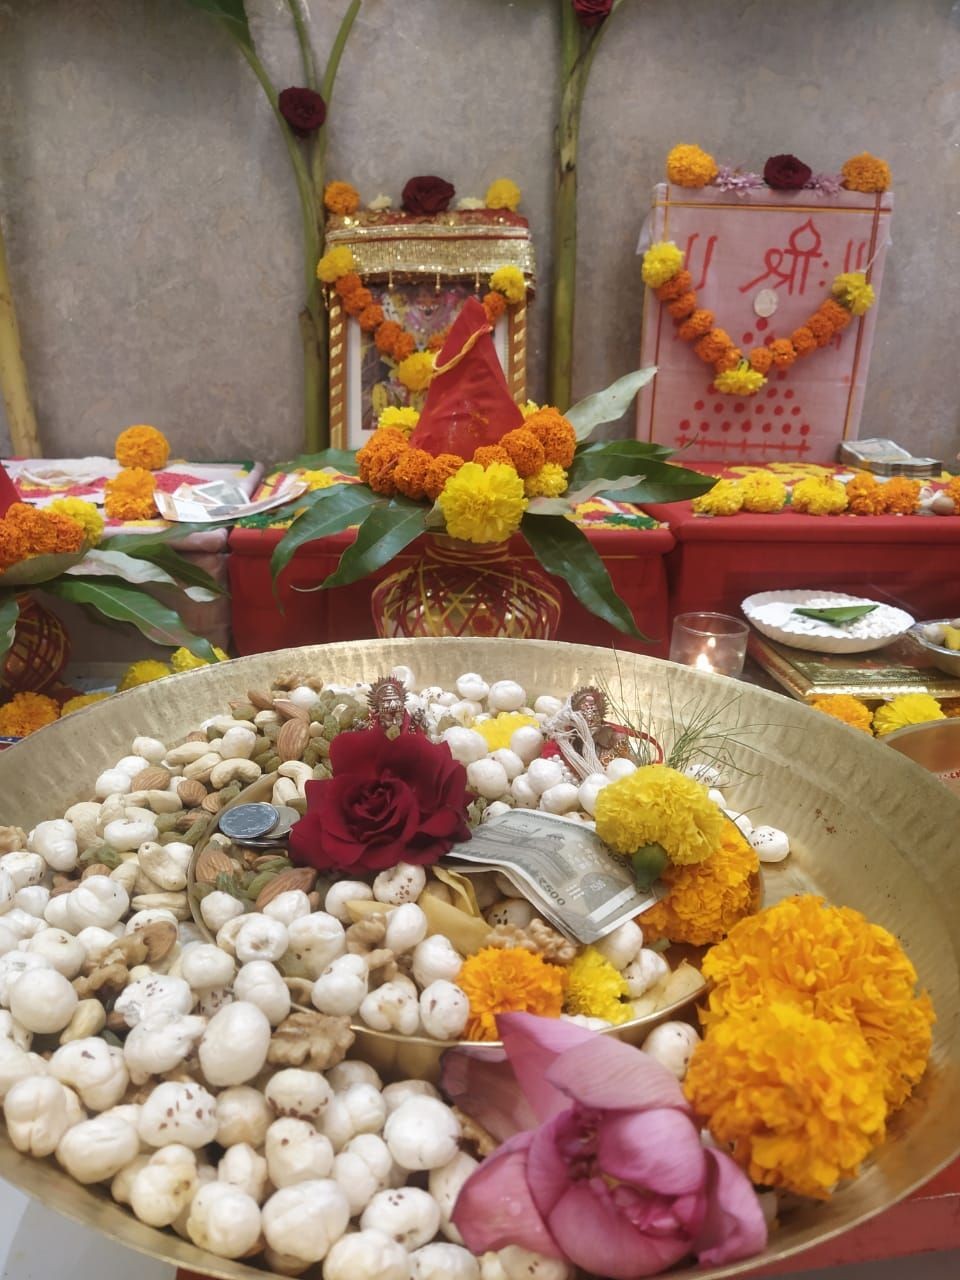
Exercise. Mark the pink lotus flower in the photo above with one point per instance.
(601, 1162)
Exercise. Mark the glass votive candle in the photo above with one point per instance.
(709, 642)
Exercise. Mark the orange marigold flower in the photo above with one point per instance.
(349, 283)
(526, 452)
(341, 197)
(508, 980)
(12, 547)
(436, 340)
(684, 306)
(370, 318)
(494, 304)
(386, 443)
(803, 340)
(38, 532)
(142, 446)
(713, 345)
(761, 358)
(864, 495)
(488, 454)
(952, 490)
(900, 496)
(707, 898)
(410, 472)
(403, 346)
(555, 433)
(675, 287)
(379, 472)
(386, 337)
(357, 301)
(696, 325)
(25, 713)
(728, 360)
(783, 352)
(837, 315)
(821, 328)
(442, 468)
(129, 495)
(866, 173)
(843, 707)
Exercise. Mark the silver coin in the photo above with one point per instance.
(286, 819)
(248, 821)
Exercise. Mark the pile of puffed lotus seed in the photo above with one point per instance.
(209, 1085)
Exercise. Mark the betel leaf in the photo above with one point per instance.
(124, 603)
(231, 13)
(384, 534)
(342, 460)
(607, 405)
(9, 613)
(330, 511)
(837, 614)
(566, 552)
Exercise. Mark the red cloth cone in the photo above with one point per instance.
(8, 491)
(468, 403)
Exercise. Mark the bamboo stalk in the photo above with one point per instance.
(24, 436)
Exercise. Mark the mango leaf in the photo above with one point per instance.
(658, 481)
(141, 544)
(232, 14)
(343, 460)
(114, 564)
(384, 534)
(607, 405)
(199, 584)
(565, 551)
(637, 448)
(9, 613)
(330, 511)
(124, 603)
(37, 569)
(572, 498)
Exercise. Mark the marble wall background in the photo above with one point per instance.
(152, 222)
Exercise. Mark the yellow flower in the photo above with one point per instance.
(142, 446)
(498, 730)
(724, 499)
(549, 482)
(335, 263)
(129, 495)
(842, 707)
(317, 479)
(529, 407)
(405, 419)
(851, 289)
(85, 514)
(183, 660)
(502, 194)
(661, 262)
(483, 505)
(866, 173)
(508, 981)
(416, 371)
(763, 492)
(659, 805)
(798, 1099)
(25, 713)
(819, 496)
(595, 989)
(742, 381)
(707, 899)
(690, 166)
(142, 673)
(510, 282)
(909, 708)
(84, 700)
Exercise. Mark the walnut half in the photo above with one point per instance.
(316, 1041)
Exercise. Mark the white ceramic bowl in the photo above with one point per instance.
(823, 637)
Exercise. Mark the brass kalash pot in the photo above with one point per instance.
(868, 830)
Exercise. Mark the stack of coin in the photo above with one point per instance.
(258, 826)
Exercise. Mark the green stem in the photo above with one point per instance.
(326, 88)
(21, 421)
(303, 39)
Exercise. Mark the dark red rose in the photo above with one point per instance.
(427, 195)
(303, 109)
(786, 173)
(592, 12)
(389, 800)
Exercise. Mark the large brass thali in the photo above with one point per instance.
(869, 829)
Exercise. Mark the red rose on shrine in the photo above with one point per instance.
(390, 800)
(592, 12)
(786, 173)
(427, 195)
(303, 109)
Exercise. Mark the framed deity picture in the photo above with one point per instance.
(419, 271)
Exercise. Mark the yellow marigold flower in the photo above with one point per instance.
(851, 289)
(690, 166)
(596, 990)
(510, 282)
(416, 371)
(85, 514)
(763, 492)
(549, 482)
(707, 899)
(483, 505)
(843, 707)
(744, 380)
(798, 1099)
(502, 194)
(335, 263)
(528, 407)
(724, 499)
(819, 496)
(498, 730)
(835, 965)
(404, 419)
(142, 447)
(25, 713)
(183, 660)
(341, 197)
(659, 805)
(508, 981)
(866, 173)
(661, 262)
(83, 700)
(142, 673)
(129, 495)
(908, 708)
(865, 496)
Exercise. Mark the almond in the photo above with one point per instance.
(292, 739)
(95, 869)
(152, 779)
(191, 792)
(296, 878)
(262, 701)
(212, 803)
(291, 710)
(211, 863)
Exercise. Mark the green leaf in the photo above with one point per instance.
(115, 564)
(124, 603)
(37, 569)
(330, 511)
(649, 863)
(9, 613)
(183, 571)
(607, 405)
(141, 544)
(568, 502)
(342, 460)
(232, 14)
(633, 448)
(839, 614)
(659, 481)
(384, 534)
(565, 551)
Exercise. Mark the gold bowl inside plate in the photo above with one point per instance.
(868, 828)
(934, 745)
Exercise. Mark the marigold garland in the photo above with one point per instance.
(508, 980)
(707, 899)
(27, 531)
(25, 713)
(510, 282)
(142, 446)
(482, 505)
(595, 989)
(847, 709)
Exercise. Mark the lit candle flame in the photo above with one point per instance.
(703, 663)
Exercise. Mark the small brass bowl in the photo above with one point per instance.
(934, 745)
